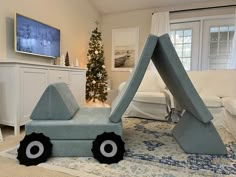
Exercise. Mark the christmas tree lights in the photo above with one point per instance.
(96, 83)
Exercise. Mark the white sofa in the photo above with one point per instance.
(230, 115)
(217, 88)
(152, 100)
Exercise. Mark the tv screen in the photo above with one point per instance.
(36, 38)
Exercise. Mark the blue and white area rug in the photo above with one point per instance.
(151, 151)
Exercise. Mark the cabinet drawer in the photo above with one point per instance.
(58, 76)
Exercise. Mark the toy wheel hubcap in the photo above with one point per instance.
(112, 151)
(31, 147)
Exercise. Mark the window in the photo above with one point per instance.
(208, 48)
(185, 38)
(217, 43)
(220, 46)
(182, 41)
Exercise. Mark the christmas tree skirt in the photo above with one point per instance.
(151, 151)
(96, 104)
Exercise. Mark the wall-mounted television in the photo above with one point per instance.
(36, 38)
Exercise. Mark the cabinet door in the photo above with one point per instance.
(33, 84)
(77, 86)
(8, 95)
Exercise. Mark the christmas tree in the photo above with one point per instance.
(96, 83)
(67, 60)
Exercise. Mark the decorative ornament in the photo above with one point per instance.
(96, 52)
(77, 62)
(67, 59)
(94, 82)
(100, 151)
(62, 60)
(26, 152)
(103, 66)
(99, 75)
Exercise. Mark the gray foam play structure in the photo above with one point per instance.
(72, 130)
(195, 132)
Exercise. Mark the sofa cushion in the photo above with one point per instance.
(150, 97)
(196, 79)
(86, 124)
(56, 103)
(151, 82)
(214, 82)
(230, 105)
(172, 72)
(212, 101)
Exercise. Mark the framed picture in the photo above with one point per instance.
(124, 48)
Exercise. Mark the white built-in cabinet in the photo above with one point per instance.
(21, 86)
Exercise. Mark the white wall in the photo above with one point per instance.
(75, 19)
(142, 20)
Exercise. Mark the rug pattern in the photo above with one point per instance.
(151, 150)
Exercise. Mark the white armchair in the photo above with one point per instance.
(152, 100)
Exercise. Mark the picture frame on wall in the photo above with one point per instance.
(125, 44)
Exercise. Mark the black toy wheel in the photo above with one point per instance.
(34, 149)
(108, 148)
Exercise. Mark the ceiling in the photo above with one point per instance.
(114, 6)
